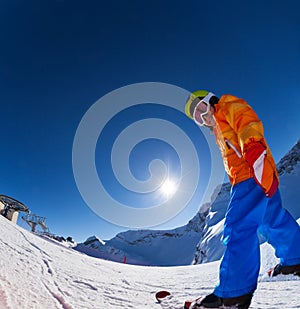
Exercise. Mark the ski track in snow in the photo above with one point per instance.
(37, 273)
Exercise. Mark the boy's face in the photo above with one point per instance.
(203, 115)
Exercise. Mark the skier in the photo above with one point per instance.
(255, 202)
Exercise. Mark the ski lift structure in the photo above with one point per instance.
(10, 208)
(35, 221)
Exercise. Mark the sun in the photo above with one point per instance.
(168, 187)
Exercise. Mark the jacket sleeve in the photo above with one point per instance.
(245, 122)
(250, 133)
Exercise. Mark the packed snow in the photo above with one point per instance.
(42, 273)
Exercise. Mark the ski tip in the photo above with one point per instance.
(161, 295)
(187, 304)
(270, 272)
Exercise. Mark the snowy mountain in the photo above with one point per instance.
(200, 240)
(288, 163)
(209, 247)
(152, 248)
(42, 273)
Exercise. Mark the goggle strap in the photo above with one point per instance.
(207, 98)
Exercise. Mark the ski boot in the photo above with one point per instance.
(284, 270)
(213, 301)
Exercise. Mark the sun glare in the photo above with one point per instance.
(168, 188)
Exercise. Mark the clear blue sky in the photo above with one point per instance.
(57, 58)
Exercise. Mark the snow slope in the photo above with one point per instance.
(42, 273)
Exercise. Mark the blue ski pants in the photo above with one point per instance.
(250, 211)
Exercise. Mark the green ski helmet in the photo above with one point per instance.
(201, 95)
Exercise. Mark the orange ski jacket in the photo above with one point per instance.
(237, 128)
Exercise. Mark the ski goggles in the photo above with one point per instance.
(201, 109)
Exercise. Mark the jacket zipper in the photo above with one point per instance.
(230, 145)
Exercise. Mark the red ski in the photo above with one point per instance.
(161, 295)
(167, 301)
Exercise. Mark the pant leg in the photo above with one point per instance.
(281, 231)
(241, 261)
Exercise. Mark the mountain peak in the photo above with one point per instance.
(287, 164)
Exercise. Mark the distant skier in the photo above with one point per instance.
(255, 202)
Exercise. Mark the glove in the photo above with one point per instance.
(262, 170)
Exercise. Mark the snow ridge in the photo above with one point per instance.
(288, 163)
(148, 247)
